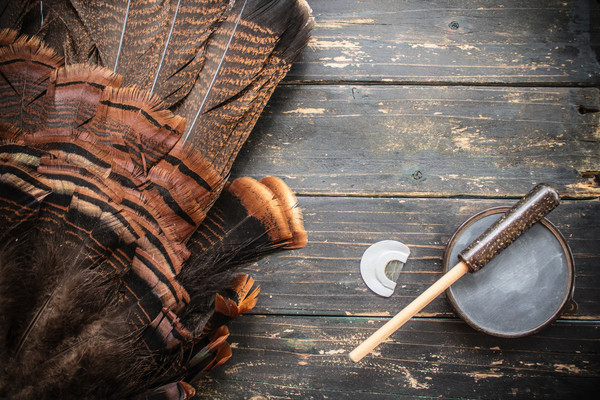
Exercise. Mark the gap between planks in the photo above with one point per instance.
(433, 195)
(563, 319)
(537, 84)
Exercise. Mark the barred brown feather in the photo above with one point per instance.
(120, 233)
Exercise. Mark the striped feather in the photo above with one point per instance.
(119, 237)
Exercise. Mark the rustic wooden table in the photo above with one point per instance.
(401, 120)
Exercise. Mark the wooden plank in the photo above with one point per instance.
(422, 141)
(457, 41)
(595, 28)
(400, 121)
(279, 357)
(324, 277)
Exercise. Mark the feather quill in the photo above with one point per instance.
(125, 19)
(164, 53)
(215, 74)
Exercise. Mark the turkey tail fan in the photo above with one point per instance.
(248, 221)
(73, 296)
(232, 102)
(215, 63)
(55, 22)
(120, 238)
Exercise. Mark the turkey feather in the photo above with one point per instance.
(120, 232)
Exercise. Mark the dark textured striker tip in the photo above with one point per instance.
(530, 209)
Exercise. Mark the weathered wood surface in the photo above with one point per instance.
(286, 357)
(401, 120)
(324, 277)
(455, 41)
(433, 141)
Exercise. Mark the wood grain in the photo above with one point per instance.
(279, 357)
(400, 121)
(428, 141)
(456, 41)
(409, 311)
(324, 277)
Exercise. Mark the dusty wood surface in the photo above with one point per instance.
(454, 41)
(401, 120)
(284, 357)
(324, 278)
(434, 141)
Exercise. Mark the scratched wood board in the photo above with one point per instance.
(428, 141)
(287, 357)
(401, 120)
(473, 41)
(324, 277)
